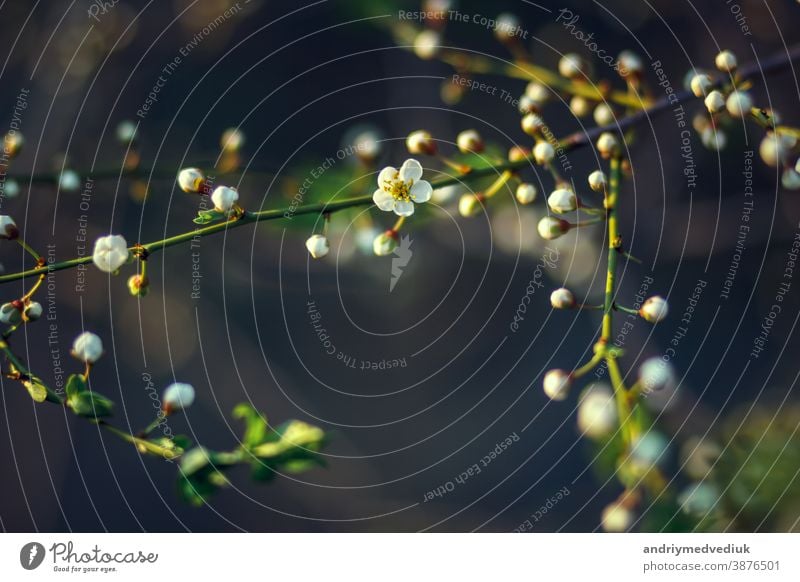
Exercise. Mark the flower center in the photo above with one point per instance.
(398, 189)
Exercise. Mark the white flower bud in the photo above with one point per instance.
(551, 228)
(11, 313)
(518, 153)
(603, 114)
(191, 180)
(570, 66)
(527, 105)
(580, 106)
(421, 142)
(445, 194)
(607, 144)
(8, 228)
(177, 396)
(597, 181)
(562, 201)
(224, 198)
(232, 140)
(69, 181)
(699, 499)
(700, 85)
(367, 145)
(629, 63)
(543, 153)
(713, 138)
(506, 27)
(427, 44)
(532, 124)
(469, 205)
(790, 179)
(539, 93)
(11, 188)
(33, 311)
(739, 104)
(557, 384)
(650, 449)
(655, 374)
(526, 193)
(797, 166)
(654, 309)
(597, 411)
(385, 243)
(317, 246)
(775, 147)
(469, 141)
(562, 298)
(126, 132)
(725, 62)
(87, 347)
(110, 253)
(617, 518)
(715, 102)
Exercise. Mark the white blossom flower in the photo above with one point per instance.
(385, 243)
(8, 228)
(557, 384)
(607, 144)
(421, 142)
(597, 411)
(191, 180)
(526, 193)
(562, 201)
(224, 198)
(725, 61)
(398, 190)
(87, 347)
(715, 102)
(550, 228)
(33, 311)
(654, 309)
(110, 253)
(427, 44)
(177, 396)
(580, 106)
(739, 103)
(543, 153)
(562, 298)
(597, 181)
(655, 375)
(603, 114)
(700, 85)
(469, 141)
(317, 246)
(616, 518)
(232, 140)
(570, 65)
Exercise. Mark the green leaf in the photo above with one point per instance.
(75, 385)
(90, 404)
(37, 390)
(208, 216)
(256, 428)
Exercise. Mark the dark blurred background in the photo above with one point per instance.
(296, 78)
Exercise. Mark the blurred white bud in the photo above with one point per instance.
(775, 147)
(570, 66)
(562, 298)
(427, 44)
(700, 85)
(539, 93)
(224, 198)
(617, 518)
(469, 205)
(33, 311)
(629, 63)
(607, 144)
(556, 384)
(69, 181)
(11, 188)
(507, 27)
(603, 114)
(177, 396)
(597, 181)
(527, 105)
(421, 142)
(385, 243)
(526, 193)
(650, 449)
(597, 411)
(518, 153)
(725, 62)
(790, 179)
(543, 153)
(654, 309)
(317, 246)
(550, 228)
(10, 313)
(232, 140)
(562, 201)
(8, 228)
(580, 106)
(126, 132)
(739, 103)
(469, 141)
(656, 374)
(713, 138)
(191, 180)
(715, 102)
(532, 124)
(13, 142)
(87, 347)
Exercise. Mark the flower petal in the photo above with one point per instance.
(404, 208)
(383, 199)
(410, 170)
(387, 175)
(421, 191)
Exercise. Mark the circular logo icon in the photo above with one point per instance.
(31, 555)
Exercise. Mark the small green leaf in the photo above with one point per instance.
(75, 385)
(208, 216)
(37, 390)
(256, 428)
(91, 405)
